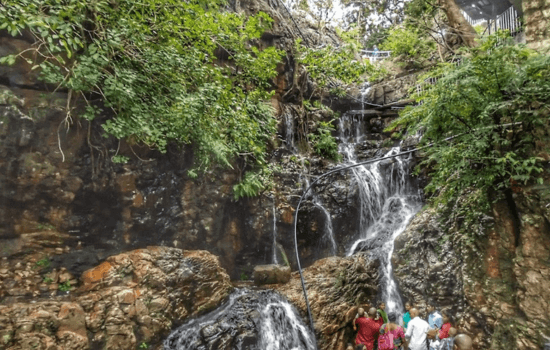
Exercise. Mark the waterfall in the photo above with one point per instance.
(387, 204)
(274, 259)
(261, 320)
(289, 130)
(328, 232)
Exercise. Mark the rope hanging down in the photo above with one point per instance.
(346, 168)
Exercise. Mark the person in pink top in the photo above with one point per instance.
(368, 328)
(397, 335)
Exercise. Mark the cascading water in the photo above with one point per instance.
(387, 203)
(261, 320)
(289, 130)
(274, 257)
(328, 232)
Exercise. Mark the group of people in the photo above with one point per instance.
(376, 332)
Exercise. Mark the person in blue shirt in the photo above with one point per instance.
(435, 321)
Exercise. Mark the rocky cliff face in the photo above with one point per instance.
(56, 174)
(130, 300)
(495, 280)
(536, 14)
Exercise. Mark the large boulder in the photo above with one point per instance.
(130, 299)
(336, 287)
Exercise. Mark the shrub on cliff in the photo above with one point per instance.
(155, 64)
(496, 100)
(410, 44)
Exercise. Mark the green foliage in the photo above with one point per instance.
(254, 183)
(351, 37)
(154, 64)
(377, 38)
(496, 100)
(65, 286)
(420, 10)
(143, 345)
(329, 63)
(410, 42)
(244, 277)
(47, 280)
(387, 143)
(324, 144)
(45, 227)
(43, 263)
(120, 159)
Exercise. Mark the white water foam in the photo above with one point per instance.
(261, 320)
(387, 204)
(274, 256)
(328, 231)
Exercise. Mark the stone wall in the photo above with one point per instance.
(536, 14)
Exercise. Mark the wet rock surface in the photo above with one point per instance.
(493, 281)
(248, 320)
(336, 287)
(57, 175)
(130, 299)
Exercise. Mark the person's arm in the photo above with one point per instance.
(401, 334)
(354, 326)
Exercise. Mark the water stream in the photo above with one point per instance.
(387, 203)
(328, 232)
(274, 257)
(289, 130)
(261, 320)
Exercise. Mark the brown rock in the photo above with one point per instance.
(96, 274)
(65, 276)
(341, 285)
(151, 288)
(158, 304)
(72, 326)
(72, 319)
(271, 274)
(126, 297)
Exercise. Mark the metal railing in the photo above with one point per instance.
(508, 20)
(473, 22)
(375, 55)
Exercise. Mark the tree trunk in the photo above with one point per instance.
(458, 23)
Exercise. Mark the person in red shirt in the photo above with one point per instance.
(368, 328)
(444, 331)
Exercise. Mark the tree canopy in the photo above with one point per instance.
(496, 100)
